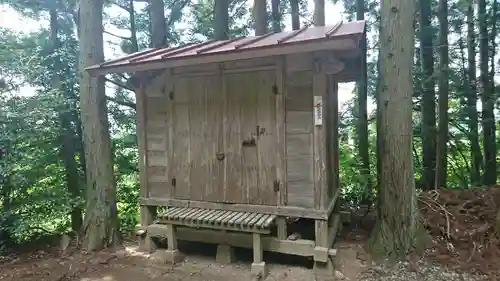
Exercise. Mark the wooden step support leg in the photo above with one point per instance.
(259, 267)
(172, 253)
(225, 254)
(282, 228)
(323, 264)
(148, 214)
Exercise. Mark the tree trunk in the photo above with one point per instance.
(221, 19)
(319, 13)
(428, 97)
(66, 137)
(395, 231)
(158, 23)
(476, 157)
(133, 29)
(362, 127)
(442, 142)
(260, 16)
(275, 9)
(487, 100)
(294, 6)
(101, 221)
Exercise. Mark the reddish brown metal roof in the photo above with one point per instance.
(265, 45)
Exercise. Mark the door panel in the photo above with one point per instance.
(250, 168)
(197, 114)
(210, 162)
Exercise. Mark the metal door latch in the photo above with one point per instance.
(276, 186)
(220, 156)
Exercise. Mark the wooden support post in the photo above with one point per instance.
(282, 228)
(280, 96)
(172, 253)
(333, 98)
(259, 267)
(320, 165)
(225, 254)
(281, 139)
(323, 264)
(148, 214)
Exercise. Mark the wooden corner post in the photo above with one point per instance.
(280, 97)
(147, 213)
(320, 128)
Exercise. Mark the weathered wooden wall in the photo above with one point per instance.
(299, 125)
(211, 114)
(192, 115)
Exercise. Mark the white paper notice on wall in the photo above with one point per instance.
(318, 110)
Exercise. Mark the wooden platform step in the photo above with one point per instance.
(218, 219)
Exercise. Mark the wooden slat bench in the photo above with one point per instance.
(255, 223)
(218, 219)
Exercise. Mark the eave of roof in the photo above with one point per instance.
(340, 36)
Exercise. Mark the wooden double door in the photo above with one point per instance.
(224, 138)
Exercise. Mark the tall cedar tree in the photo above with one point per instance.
(221, 19)
(100, 225)
(428, 97)
(67, 133)
(158, 24)
(294, 7)
(473, 136)
(396, 228)
(362, 126)
(260, 16)
(319, 13)
(276, 15)
(487, 99)
(444, 88)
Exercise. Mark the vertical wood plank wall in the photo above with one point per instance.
(156, 133)
(299, 129)
(189, 119)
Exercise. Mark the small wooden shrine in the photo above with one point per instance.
(236, 136)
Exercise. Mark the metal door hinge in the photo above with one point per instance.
(174, 182)
(276, 186)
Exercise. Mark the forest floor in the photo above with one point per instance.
(462, 247)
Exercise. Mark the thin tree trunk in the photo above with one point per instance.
(395, 232)
(487, 100)
(133, 29)
(260, 16)
(476, 157)
(362, 127)
(428, 97)
(275, 9)
(67, 134)
(221, 19)
(492, 76)
(101, 225)
(442, 143)
(319, 13)
(294, 6)
(158, 23)
(5, 192)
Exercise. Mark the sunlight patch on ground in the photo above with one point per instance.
(105, 278)
(134, 251)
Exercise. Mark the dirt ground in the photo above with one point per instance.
(127, 263)
(460, 223)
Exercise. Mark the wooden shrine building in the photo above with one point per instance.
(236, 136)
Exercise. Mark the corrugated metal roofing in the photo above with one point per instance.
(354, 29)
